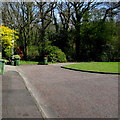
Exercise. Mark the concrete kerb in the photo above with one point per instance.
(90, 71)
(45, 112)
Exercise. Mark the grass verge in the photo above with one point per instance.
(22, 62)
(110, 67)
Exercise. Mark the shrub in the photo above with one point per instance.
(33, 53)
(55, 54)
(8, 52)
(16, 56)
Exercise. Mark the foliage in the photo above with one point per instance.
(111, 46)
(7, 35)
(16, 56)
(8, 52)
(65, 41)
(97, 41)
(33, 53)
(74, 29)
(55, 54)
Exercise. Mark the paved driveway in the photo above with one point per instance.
(16, 100)
(72, 94)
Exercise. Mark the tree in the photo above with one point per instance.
(39, 26)
(20, 15)
(44, 19)
(7, 35)
(81, 9)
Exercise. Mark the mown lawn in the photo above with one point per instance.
(22, 62)
(111, 67)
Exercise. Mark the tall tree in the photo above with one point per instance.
(80, 9)
(44, 19)
(20, 15)
(64, 15)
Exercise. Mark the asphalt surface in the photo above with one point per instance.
(17, 102)
(62, 93)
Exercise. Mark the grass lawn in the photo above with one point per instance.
(111, 67)
(22, 62)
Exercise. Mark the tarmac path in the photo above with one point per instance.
(17, 102)
(72, 94)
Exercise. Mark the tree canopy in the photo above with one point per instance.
(84, 31)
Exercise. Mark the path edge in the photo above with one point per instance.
(90, 71)
(31, 89)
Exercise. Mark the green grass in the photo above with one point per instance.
(111, 67)
(22, 62)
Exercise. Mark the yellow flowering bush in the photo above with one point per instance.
(7, 35)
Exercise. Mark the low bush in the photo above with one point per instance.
(55, 54)
(16, 56)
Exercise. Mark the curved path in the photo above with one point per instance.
(17, 102)
(72, 94)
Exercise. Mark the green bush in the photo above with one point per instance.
(55, 54)
(33, 53)
(8, 52)
(16, 56)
